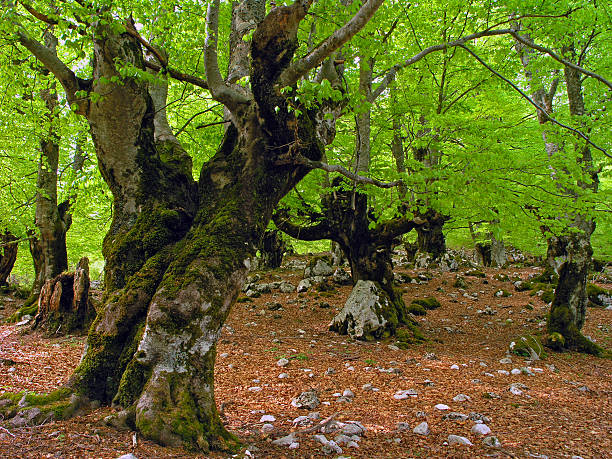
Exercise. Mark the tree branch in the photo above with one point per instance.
(66, 77)
(220, 91)
(299, 68)
(303, 233)
(536, 105)
(551, 53)
(177, 75)
(341, 170)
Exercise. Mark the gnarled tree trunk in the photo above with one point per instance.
(177, 253)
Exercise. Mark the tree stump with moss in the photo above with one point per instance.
(63, 304)
(8, 255)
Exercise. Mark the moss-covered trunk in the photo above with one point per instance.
(568, 309)
(430, 238)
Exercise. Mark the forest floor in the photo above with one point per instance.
(564, 410)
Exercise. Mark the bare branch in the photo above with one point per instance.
(536, 105)
(220, 91)
(530, 43)
(299, 68)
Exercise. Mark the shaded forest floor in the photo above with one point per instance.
(564, 410)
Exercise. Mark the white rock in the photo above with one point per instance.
(492, 441)
(404, 394)
(127, 456)
(422, 429)
(481, 429)
(348, 393)
(254, 389)
(283, 376)
(267, 418)
(321, 439)
(454, 367)
(458, 440)
(282, 362)
(294, 445)
(267, 428)
(441, 407)
(461, 398)
(287, 440)
(516, 371)
(503, 372)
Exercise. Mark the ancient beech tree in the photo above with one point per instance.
(178, 250)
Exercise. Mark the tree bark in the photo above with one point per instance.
(8, 256)
(272, 250)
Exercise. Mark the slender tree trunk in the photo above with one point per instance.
(568, 308)
(48, 247)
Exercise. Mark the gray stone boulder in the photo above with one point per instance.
(362, 316)
(318, 267)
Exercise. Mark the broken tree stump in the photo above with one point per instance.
(63, 304)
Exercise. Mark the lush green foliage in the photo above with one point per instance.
(492, 169)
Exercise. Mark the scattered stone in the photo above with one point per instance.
(367, 387)
(506, 361)
(331, 448)
(515, 371)
(286, 287)
(341, 277)
(481, 429)
(267, 418)
(454, 416)
(330, 371)
(254, 389)
(442, 407)
(318, 267)
(422, 429)
(479, 417)
(267, 428)
(302, 421)
(402, 426)
(458, 440)
(348, 393)
(303, 286)
(491, 441)
(307, 400)
(287, 440)
(283, 376)
(454, 367)
(127, 456)
(431, 356)
(353, 428)
(421, 414)
(404, 394)
(25, 417)
(503, 372)
(282, 362)
(461, 398)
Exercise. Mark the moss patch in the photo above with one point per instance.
(416, 309)
(427, 303)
